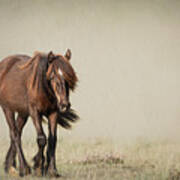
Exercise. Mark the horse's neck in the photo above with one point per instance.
(42, 97)
(39, 86)
(47, 89)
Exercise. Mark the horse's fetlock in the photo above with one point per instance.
(41, 140)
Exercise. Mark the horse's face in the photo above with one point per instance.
(58, 83)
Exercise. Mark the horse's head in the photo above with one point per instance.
(62, 78)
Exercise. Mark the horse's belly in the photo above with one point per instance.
(13, 96)
(17, 104)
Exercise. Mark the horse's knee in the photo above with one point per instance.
(15, 136)
(41, 140)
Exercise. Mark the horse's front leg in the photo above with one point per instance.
(41, 141)
(10, 163)
(52, 138)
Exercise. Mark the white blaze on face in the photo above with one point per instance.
(60, 72)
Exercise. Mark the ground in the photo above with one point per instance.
(102, 159)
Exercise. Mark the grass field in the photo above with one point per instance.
(103, 159)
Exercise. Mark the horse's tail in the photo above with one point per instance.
(65, 119)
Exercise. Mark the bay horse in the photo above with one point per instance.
(35, 87)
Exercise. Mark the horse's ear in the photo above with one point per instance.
(51, 56)
(68, 54)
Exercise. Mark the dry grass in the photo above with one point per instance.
(103, 159)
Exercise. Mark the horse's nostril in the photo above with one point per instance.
(63, 107)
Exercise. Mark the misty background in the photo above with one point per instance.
(126, 54)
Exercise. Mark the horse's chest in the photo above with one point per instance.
(43, 103)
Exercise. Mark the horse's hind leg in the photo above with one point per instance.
(15, 136)
(10, 163)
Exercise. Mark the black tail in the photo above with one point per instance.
(65, 119)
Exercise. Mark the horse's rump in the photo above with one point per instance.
(13, 92)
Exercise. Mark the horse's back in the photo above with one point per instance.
(13, 58)
(9, 68)
(11, 62)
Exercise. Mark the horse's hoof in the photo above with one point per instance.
(38, 172)
(13, 171)
(24, 171)
(53, 173)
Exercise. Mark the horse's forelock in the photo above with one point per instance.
(68, 72)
